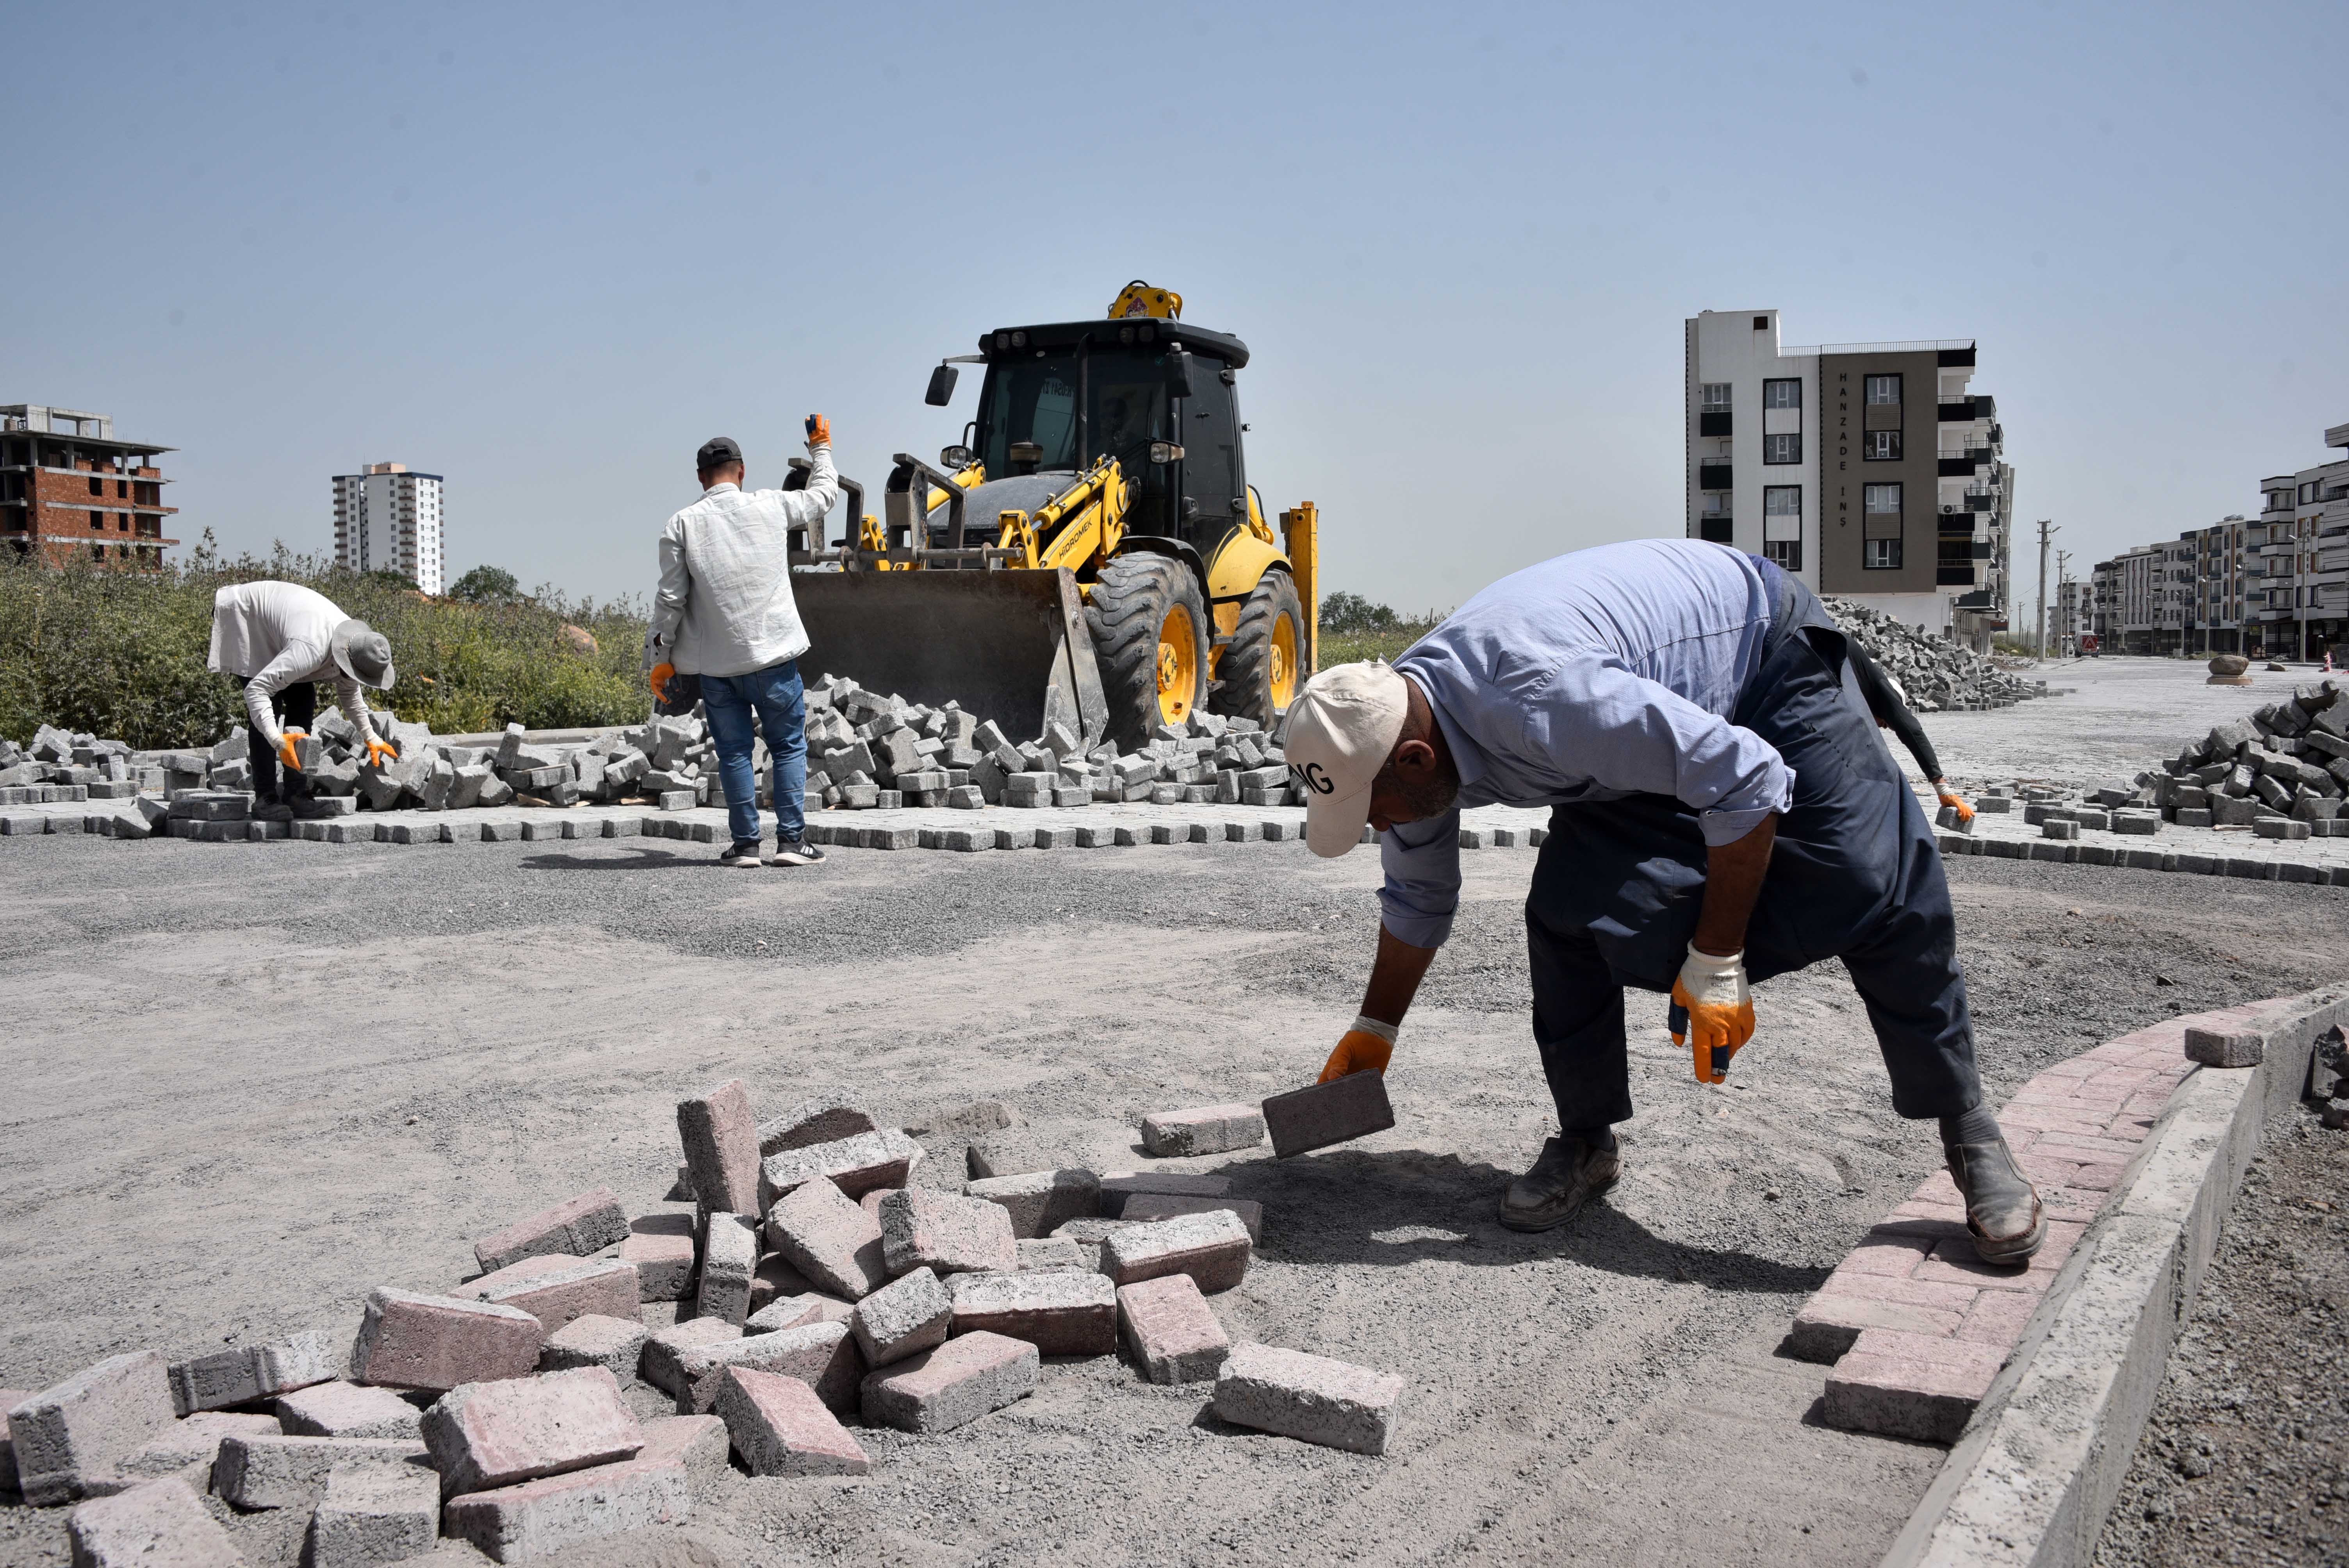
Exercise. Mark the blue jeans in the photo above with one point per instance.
(774, 694)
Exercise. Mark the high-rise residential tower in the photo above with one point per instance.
(387, 517)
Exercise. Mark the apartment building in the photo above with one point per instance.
(69, 487)
(2305, 557)
(1867, 470)
(2072, 616)
(388, 517)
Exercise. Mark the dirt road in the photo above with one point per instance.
(246, 1084)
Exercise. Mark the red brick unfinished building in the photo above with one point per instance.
(68, 486)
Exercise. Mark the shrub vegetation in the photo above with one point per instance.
(1353, 628)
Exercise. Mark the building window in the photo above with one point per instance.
(1880, 554)
(1715, 528)
(1785, 394)
(1786, 554)
(1782, 448)
(1782, 512)
(98, 486)
(1715, 394)
(1884, 391)
(97, 521)
(1880, 446)
(1881, 500)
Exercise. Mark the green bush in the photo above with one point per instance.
(1354, 629)
(122, 654)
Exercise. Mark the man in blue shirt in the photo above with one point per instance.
(1722, 811)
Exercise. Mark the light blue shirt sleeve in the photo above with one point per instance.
(1422, 861)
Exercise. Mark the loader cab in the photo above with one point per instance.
(1081, 391)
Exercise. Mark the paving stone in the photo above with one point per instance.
(488, 1435)
(614, 1344)
(1166, 1206)
(373, 1514)
(1054, 1253)
(1015, 1152)
(536, 1518)
(903, 1318)
(1322, 1114)
(822, 1355)
(780, 1427)
(158, 1524)
(698, 1442)
(970, 1375)
(660, 1246)
(1040, 1200)
(827, 1119)
(1171, 1330)
(1846, 1305)
(1918, 1386)
(1202, 1130)
(1060, 1312)
(263, 1471)
(796, 1311)
(663, 1363)
(214, 1382)
(729, 1257)
(1212, 1248)
(299, 1360)
(856, 1165)
(831, 1238)
(70, 1437)
(436, 1342)
(721, 1147)
(187, 1448)
(950, 1233)
(1120, 1185)
(2225, 1047)
(581, 1227)
(556, 1288)
(347, 1410)
(1333, 1403)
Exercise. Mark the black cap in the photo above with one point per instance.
(716, 450)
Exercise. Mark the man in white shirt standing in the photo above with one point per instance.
(277, 638)
(724, 611)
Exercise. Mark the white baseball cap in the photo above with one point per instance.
(1342, 727)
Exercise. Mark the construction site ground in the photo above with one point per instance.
(255, 1080)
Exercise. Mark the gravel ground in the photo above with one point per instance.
(253, 1081)
(2246, 1458)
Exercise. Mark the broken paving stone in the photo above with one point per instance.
(1202, 1130)
(1040, 1201)
(581, 1227)
(372, 1514)
(903, 1318)
(347, 1410)
(856, 1165)
(827, 1119)
(1171, 1329)
(661, 1248)
(69, 1436)
(663, 1364)
(1163, 1206)
(967, 1377)
(159, 1524)
(435, 1343)
(263, 1471)
(556, 1289)
(491, 1435)
(1312, 1397)
(1212, 1248)
(831, 1238)
(1322, 1114)
(780, 1427)
(721, 1137)
(822, 1355)
(729, 1257)
(950, 1233)
(1059, 1312)
(614, 1344)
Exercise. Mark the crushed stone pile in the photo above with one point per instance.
(1938, 675)
(795, 1291)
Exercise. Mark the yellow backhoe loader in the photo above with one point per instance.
(1092, 554)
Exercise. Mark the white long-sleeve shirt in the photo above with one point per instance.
(724, 606)
(277, 634)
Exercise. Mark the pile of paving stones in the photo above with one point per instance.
(1938, 675)
(797, 1287)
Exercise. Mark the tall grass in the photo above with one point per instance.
(1353, 629)
(122, 654)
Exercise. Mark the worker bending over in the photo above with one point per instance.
(1889, 705)
(1722, 813)
(724, 611)
(277, 639)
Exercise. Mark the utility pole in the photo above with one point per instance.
(2046, 529)
(2062, 577)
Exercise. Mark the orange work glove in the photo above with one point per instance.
(285, 752)
(819, 431)
(1951, 800)
(661, 672)
(1710, 1000)
(1365, 1048)
(380, 752)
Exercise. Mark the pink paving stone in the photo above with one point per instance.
(1882, 1252)
(539, 1518)
(580, 1226)
(721, 1147)
(1917, 1217)
(822, 1355)
(1172, 1331)
(2048, 1121)
(1909, 1385)
(2099, 1177)
(489, 1435)
(1060, 1312)
(163, 1523)
(965, 1379)
(2047, 1170)
(1832, 1320)
(1213, 1248)
(347, 1410)
(665, 1351)
(1954, 1261)
(434, 1342)
(661, 1246)
(570, 1289)
(831, 1238)
(698, 1442)
(1999, 1317)
(951, 1233)
(780, 1427)
(2059, 1145)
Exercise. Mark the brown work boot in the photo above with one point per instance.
(1569, 1173)
(2002, 1208)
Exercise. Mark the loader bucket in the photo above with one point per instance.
(1010, 645)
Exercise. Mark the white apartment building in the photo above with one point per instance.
(2305, 557)
(1867, 470)
(387, 517)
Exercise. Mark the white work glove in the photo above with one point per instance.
(1719, 1008)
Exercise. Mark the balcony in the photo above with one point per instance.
(1980, 501)
(1714, 477)
(1946, 576)
(1957, 411)
(1713, 422)
(1957, 468)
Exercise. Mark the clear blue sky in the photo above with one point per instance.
(545, 250)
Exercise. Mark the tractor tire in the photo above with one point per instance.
(1149, 624)
(1264, 665)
